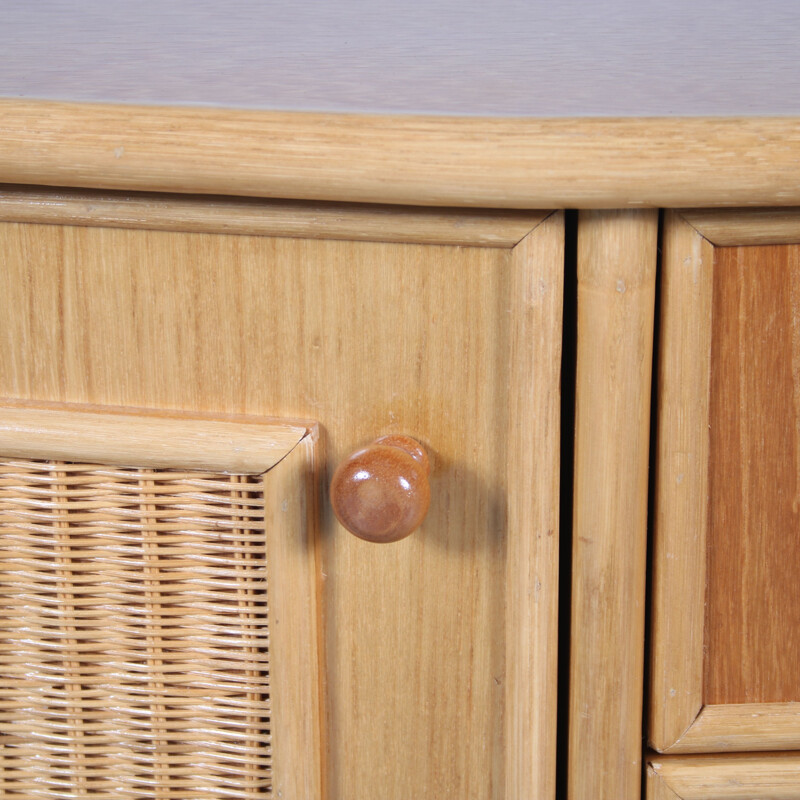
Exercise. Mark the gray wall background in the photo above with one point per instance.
(512, 58)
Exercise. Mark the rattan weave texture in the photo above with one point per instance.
(134, 646)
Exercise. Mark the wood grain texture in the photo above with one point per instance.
(209, 214)
(681, 483)
(753, 596)
(767, 776)
(367, 338)
(145, 439)
(411, 160)
(532, 475)
(291, 491)
(616, 288)
(746, 226)
(656, 788)
(723, 641)
(381, 492)
(741, 727)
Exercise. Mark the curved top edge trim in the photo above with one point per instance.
(409, 160)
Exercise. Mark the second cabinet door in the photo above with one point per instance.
(726, 598)
(438, 653)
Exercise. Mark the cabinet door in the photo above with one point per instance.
(726, 599)
(438, 651)
(158, 585)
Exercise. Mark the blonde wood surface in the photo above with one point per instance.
(532, 477)
(367, 338)
(209, 214)
(746, 226)
(742, 726)
(293, 583)
(656, 788)
(145, 438)
(410, 160)
(616, 288)
(766, 776)
(681, 483)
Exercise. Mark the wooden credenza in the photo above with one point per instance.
(500, 651)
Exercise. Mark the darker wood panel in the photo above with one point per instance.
(753, 592)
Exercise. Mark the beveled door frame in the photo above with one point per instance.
(714, 777)
(679, 720)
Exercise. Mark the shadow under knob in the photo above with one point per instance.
(381, 493)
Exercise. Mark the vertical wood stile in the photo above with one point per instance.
(681, 483)
(532, 560)
(616, 294)
(292, 578)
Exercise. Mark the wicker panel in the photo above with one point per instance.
(133, 639)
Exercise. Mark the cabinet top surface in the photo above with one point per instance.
(524, 58)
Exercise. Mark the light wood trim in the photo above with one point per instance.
(411, 160)
(745, 226)
(531, 619)
(213, 214)
(681, 488)
(616, 293)
(657, 789)
(774, 776)
(745, 726)
(134, 437)
(290, 494)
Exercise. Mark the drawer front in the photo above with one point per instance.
(438, 652)
(726, 625)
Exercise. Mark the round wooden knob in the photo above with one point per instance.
(381, 493)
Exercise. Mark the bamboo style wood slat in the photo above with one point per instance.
(616, 296)
(258, 217)
(733, 776)
(404, 159)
